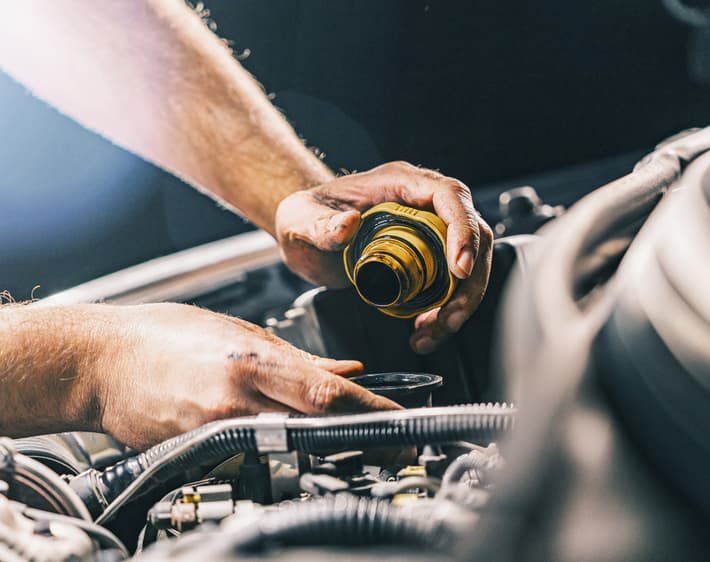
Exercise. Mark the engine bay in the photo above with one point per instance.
(397, 478)
(529, 440)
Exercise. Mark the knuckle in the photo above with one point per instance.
(458, 188)
(471, 299)
(475, 232)
(463, 300)
(485, 231)
(325, 394)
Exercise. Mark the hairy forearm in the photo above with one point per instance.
(49, 359)
(151, 77)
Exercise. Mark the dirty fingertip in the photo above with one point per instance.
(343, 225)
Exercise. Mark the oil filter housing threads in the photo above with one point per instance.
(397, 260)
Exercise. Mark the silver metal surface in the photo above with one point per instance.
(492, 410)
(277, 430)
(270, 432)
(284, 476)
(214, 429)
(300, 325)
(179, 276)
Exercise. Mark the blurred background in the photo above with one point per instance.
(557, 94)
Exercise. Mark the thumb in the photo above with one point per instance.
(300, 217)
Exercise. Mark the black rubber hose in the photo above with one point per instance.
(50, 453)
(105, 537)
(99, 488)
(486, 425)
(344, 520)
(217, 441)
(221, 445)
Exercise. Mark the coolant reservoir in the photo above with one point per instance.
(397, 260)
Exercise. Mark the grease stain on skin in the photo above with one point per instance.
(239, 356)
(252, 358)
(335, 203)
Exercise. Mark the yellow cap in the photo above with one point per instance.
(397, 260)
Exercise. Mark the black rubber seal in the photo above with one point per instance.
(369, 228)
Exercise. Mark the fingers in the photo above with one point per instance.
(268, 374)
(313, 226)
(329, 393)
(435, 326)
(310, 235)
(311, 390)
(344, 368)
(455, 207)
(424, 189)
(301, 217)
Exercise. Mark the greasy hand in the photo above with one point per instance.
(313, 226)
(170, 368)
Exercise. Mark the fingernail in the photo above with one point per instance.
(424, 345)
(455, 321)
(465, 261)
(339, 366)
(350, 365)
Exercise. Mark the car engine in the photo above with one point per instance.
(566, 421)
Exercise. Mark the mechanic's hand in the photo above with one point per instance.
(170, 368)
(313, 226)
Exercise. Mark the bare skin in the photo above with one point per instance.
(128, 371)
(151, 77)
(313, 226)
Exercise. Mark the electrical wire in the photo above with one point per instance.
(102, 535)
(218, 440)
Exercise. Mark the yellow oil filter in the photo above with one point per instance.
(397, 260)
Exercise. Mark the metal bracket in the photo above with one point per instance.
(270, 432)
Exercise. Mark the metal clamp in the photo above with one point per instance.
(270, 432)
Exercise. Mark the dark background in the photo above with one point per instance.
(489, 92)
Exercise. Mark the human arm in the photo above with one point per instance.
(314, 225)
(146, 373)
(150, 76)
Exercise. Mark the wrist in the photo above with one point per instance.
(50, 368)
(95, 340)
(102, 336)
